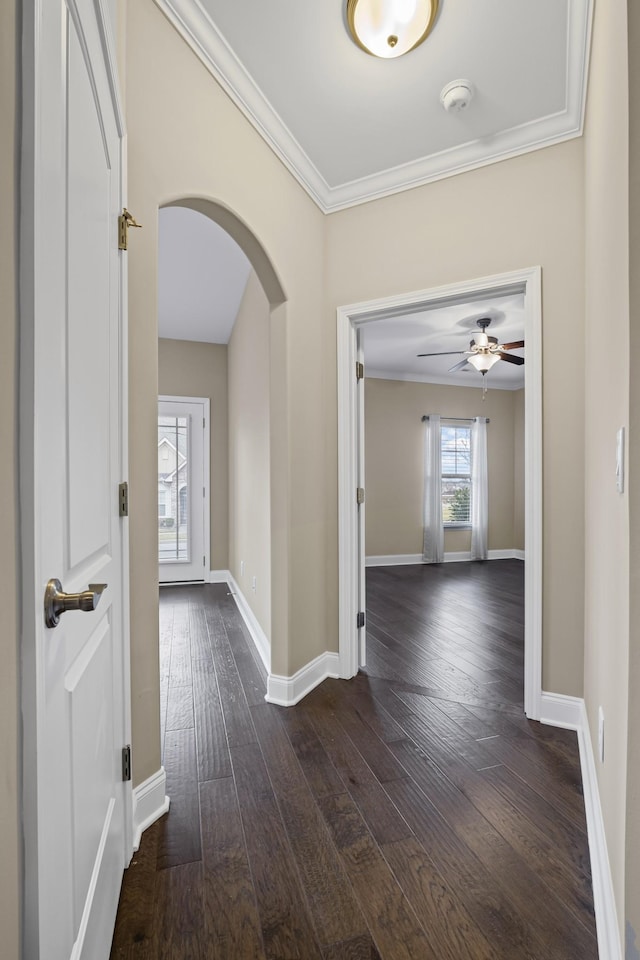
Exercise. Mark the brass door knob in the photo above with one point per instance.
(57, 602)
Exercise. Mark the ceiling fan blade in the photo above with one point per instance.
(512, 346)
(510, 359)
(458, 366)
(447, 353)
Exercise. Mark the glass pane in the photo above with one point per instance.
(456, 450)
(173, 489)
(456, 499)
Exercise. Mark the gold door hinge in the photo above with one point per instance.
(125, 220)
(359, 371)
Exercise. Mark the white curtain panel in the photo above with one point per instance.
(433, 543)
(479, 490)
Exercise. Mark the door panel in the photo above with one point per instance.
(77, 809)
(89, 187)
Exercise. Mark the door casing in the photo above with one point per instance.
(351, 560)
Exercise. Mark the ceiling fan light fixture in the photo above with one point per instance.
(390, 28)
(483, 361)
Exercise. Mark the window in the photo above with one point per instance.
(455, 447)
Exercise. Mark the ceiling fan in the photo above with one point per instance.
(484, 351)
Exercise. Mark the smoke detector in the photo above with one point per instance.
(457, 95)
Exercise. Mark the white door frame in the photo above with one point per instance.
(349, 319)
(206, 454)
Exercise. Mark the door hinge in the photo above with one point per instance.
(359, 370)
(126, 762)
(125, 220)
(360, 495)
(360, 622)
(123, 499)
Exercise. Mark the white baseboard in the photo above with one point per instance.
(393, 560)
(150, 802)
(285, 691)
(459, 556)
(570, 712)
(259, 637)
(609, 945)
(557, 710)
(465, 555)
(510, 554)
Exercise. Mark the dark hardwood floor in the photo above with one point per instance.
(412, 813)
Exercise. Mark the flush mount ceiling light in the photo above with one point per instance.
(389, 28)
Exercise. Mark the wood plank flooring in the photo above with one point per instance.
(412, 813)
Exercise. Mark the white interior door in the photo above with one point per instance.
(75, 674)
(183, 489)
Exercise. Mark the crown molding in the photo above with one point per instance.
(199, 31)
(376, 374)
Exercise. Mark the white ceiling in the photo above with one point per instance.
(202, 275)
(352, 127)
(391, 346)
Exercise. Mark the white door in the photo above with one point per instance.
(72, 410)
(183, 489)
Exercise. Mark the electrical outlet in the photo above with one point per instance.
(242, 568)
(253, 584)
(601, 734)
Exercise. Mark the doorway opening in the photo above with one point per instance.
(221, 336)
(352, 321)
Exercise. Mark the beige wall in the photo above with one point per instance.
(9, 742)
(518, 470)
(249, 452)
(186, 139)
(190, 369)
(394, 470)
(518, 213)
(632, 838)
(606, 409)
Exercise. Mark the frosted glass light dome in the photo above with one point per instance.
(389, 28)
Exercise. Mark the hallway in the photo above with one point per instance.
(411, 813)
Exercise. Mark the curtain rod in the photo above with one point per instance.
(465, 419)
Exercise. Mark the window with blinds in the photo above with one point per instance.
(455, 446)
